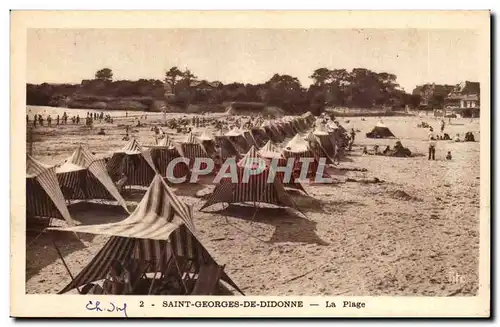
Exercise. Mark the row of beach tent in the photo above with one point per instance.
(159, 236)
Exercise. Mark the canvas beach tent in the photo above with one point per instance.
(298, 148)
(163, 154)
(256, 190)
(44, 198)
(308, 118)
(134, 162)
(158, 245)
(226, 148)
(319, 143)
(191, 149)
(208, 142)
(271, 133)
(84, 177)
(278, 128)
(166, 141)
(285, 129)
(248, 137)
(326, 138)
(259, 135)
(271, 152)
(236, 136)
(380, 131)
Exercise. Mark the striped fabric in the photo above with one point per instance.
(280, 133)
(83, 176)
(327, 143)
(159, 217)
(158, 214)
(134, 166)
(318, 149)
(260, 136)
(157, 253)
(298, 148)
(133, 161)
(43, 193)
(272, 134)
(287, 128)
(162, 156)
(226, 146)
(249, 138)
(256, 190)
(165, 142)
(272, 152)
(192, 149)
(240, 141)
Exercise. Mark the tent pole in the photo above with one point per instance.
(64, 263)
(157, 268)
(178, 268)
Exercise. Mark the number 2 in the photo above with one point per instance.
(141, 304)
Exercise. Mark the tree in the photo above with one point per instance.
(321, 76)
(104, 74)
(188, 77)
(285, 91)
(171, 77)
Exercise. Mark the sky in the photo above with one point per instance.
(415, 56)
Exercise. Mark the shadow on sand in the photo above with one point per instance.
(40, 250)
(289, 226)
(91, 213)
(133, 194)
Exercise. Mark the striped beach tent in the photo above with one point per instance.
(255, 190)
(44, 198)
(166, 141)
(272, 132)
(287, 129)
(236, 136)
(84, 177)
(208, 142)
(159, 236)
(259, 135)
(298, 148)
(309, 118)
(249, 137)
(191, 149)
(163, 154)
(271, 152)
(134, 162)
(301, 124)
(226, 148)
(326, 138)
(316, 145)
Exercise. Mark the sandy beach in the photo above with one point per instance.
(404, 236)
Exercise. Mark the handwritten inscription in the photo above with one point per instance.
(98, 307)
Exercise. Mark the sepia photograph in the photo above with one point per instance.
(247, 161)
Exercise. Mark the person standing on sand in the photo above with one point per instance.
(77, 119)
(432, 144)
(442, 125)
(57, 119)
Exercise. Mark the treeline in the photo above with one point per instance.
(359, 88)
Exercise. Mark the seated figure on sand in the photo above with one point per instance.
(469, 137)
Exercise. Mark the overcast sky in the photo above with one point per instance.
(415, 56)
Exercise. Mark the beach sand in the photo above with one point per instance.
(406, 236)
